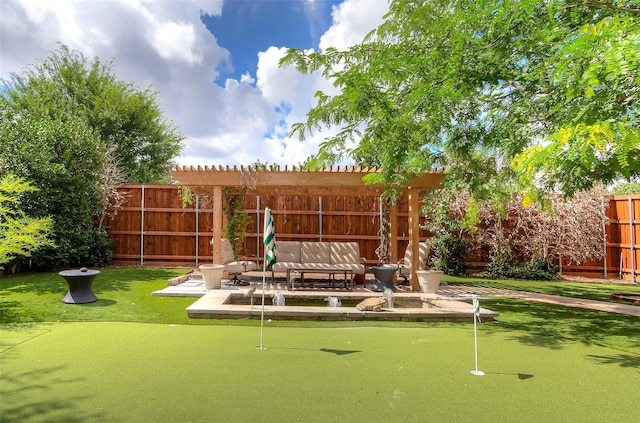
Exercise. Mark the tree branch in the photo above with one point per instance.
(608, 5)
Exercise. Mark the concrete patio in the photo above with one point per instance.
(452, 306)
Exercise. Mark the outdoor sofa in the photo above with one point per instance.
(318, 257)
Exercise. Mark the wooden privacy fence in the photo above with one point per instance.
(154, 229)
(623, 237)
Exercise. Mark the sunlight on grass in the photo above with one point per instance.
(125, 296)
(128, 356)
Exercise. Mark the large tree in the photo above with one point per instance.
(543, 92)
(128, 121)
(63, 158)
(72, 130)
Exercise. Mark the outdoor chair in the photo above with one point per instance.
(235, 266)
(404, 265)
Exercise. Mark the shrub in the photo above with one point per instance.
(450, 252)
(629, 188)
(536, 269)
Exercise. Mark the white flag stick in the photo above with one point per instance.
(261, 347)
(269, 259)
(476, 317)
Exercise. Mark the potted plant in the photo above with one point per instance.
(429, 280)
(212, 274)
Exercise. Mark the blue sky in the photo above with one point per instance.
(213, 63)
(246, 27)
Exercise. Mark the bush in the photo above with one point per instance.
(629, 188)
(498, 267)
(450, 252)
(536, 269)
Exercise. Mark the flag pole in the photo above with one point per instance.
(269, 258)
(261, 347)
(476, 317)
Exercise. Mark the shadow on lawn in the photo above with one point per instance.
(521, 376)
(11, 313)
(623, 360)
(102, 302)
(339, 352)
(552, 326)
(327, 350)
(41, 395)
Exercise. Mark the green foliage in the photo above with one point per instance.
(450, 251)
(19, 234)
(547, 90)
(596, 135)
(63, 159)
(68, 126)
(630, 188)
(237, 219)
(449, 231)
(128, 121)
(536, 269)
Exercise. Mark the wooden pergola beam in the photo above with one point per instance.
(278, 180)
(265, 191)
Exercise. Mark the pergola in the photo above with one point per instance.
(209, 181)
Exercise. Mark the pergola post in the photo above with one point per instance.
(393, 234)
(414, 235)
(217, 224)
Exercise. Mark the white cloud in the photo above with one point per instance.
(169, 39)
(352, 20)
(165, 46)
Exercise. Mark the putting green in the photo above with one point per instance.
(133, 372)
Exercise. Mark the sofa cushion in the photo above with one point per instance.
(282, 266)
(354, 268)
(287, 251)
(345, 253)
(240, 266)
(424, 250)
(315, 252)
(227, 255)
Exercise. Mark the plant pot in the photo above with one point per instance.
(212, 274)
(429, 280)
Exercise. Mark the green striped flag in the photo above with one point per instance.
(476, 306)
(269, 240)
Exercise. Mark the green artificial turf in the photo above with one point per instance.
(124, 295)
(132, 372)
(135, 357)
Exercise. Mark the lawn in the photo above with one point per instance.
(589, 291)
(138, 358)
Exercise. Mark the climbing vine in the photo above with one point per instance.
(237, 219)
